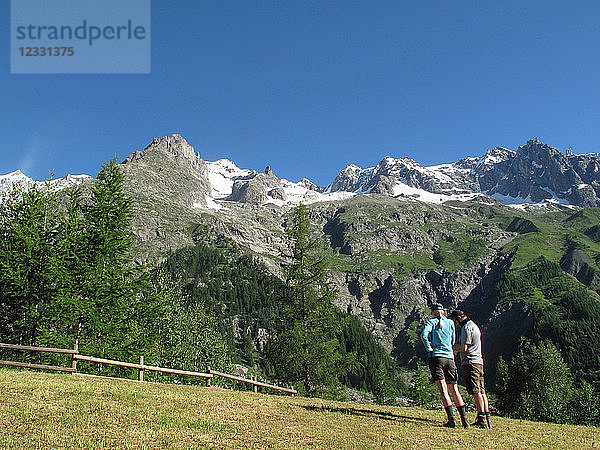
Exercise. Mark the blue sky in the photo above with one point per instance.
(310, 86)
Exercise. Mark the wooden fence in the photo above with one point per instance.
(141, 367)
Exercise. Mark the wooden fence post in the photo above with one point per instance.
(255, 378)
(141, 372)
(73, 360)
(208, 379)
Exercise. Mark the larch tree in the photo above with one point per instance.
(306, 351)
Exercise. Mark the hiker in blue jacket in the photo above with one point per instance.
(438, 338)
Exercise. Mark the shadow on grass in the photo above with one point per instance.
(369, 413)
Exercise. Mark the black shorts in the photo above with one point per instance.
(443, 369)
(473, 375)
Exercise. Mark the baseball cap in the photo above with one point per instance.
(456, 314)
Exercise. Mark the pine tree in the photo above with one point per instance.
(110, 300)
(306, 350)
(60, 325)
(28, 262)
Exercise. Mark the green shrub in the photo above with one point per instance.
(536, 385)
(423, 392)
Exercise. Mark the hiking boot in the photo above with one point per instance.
(480, 422)
(450, 413)
(488, 420)
(450, 424)
(463, 416)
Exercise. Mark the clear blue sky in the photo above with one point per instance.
(310, 86)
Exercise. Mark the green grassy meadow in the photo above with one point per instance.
(39, 410)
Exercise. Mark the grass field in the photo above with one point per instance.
(40, 410)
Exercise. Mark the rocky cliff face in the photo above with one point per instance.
(394, 308)
(170, 186)
(580, 265)
(538, 172)
(258, 189)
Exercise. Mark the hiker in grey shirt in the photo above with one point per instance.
(469, 347)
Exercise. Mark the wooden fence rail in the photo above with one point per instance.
(71, 369)
(140, 367)
(254, 382)
(36, 366)
(37, 349)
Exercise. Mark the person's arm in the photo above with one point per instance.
(425, 335)
(468, 334)
(460, 346)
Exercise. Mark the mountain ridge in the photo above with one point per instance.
(534, 174)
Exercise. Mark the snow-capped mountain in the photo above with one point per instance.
(13, 180)
(539, 173)
(18, 180)
(406, 178)
(230, 183)
(534, 174)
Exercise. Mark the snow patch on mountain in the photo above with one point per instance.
(14, 179)
(18, 180)
(222, 174)
(402, 190)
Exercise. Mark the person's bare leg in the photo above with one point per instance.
(478, 398)
(486, 406)
(481, 421)
(458, 400)
(443, 388)
(460, 404)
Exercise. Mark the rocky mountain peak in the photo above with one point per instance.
(268, 172)
(258, 189)
(307, 184)
(540, 173)
(534, 149)
(169, 164)
(174, 147)
(479, 165)
(348, 179)
(498, 154)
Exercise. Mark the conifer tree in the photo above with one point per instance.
(306, 351)
(28, 262)
(109, 294)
